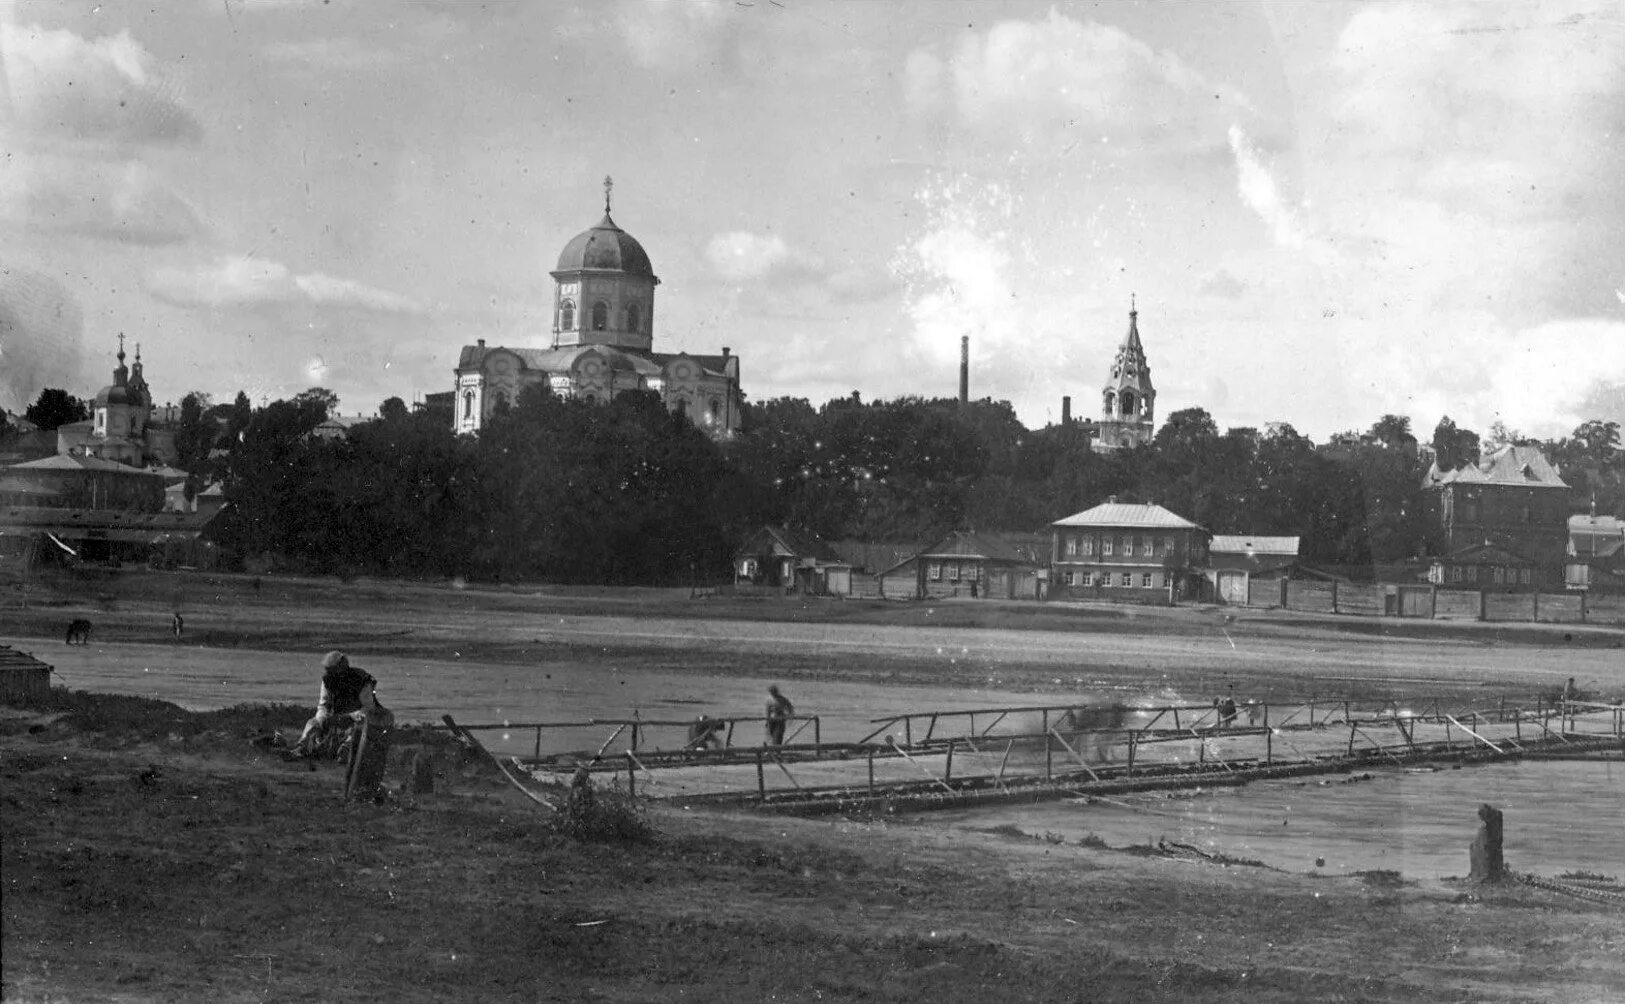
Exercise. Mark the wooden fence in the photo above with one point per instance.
(1365, 599)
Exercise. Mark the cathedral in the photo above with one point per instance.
(1127, 417)
(121, 427)
(601, 344)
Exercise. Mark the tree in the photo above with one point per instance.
(1393, 432)
(194, 438)
(393, 410)
(318, 403)
(1454, 448)
(56, 408)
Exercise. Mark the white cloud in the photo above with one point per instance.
(105, 89)
(1056, 72)
(111, 199)
(674, 34)
(740, 256)
(244, 281)
(1256, 185)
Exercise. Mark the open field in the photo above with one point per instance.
(155, 854)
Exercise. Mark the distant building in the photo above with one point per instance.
(1128, 402)
(1596, 554)
(602, 344)
(1126, 551)
(794, 561)
(1492, 566)
(963, 564)
(121, 427)
(1512, 500)
(1236, 562)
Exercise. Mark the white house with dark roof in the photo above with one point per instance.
(1126, 551)
(601, 343)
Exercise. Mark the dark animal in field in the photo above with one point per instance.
(78, 632)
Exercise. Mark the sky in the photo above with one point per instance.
(1324, 212)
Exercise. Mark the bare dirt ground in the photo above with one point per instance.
(150, 854)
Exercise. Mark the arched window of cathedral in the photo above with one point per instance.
(634, 318)
(1126, 401)
(468, 405)
(1110, 400)
(716, 409)
(600, 316)
(567, 315)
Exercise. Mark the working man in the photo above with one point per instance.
(347, 698)
(779, 710)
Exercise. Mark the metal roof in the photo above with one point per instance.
(1141, 515)
(1521, 466)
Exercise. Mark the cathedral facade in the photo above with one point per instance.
(121, 427)
(601, 344)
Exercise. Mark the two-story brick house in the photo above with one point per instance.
(1126, 551)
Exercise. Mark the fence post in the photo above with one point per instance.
(871, 773)
(1433, 602)
(1482, 614)
(1334, 596)
(631, 784)
(1283, 592)
(1534, 606)
(948, 768)
(1269, 739)
(1132, 736)
(761, 776)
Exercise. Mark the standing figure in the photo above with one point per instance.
(178, 624)
(779, 710)
(1227, 710)
(347, 698)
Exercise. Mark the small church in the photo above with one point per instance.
(601, 344)
(121, 428)
(1128, 401)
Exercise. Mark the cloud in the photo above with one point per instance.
(1221, 283)
(741, 256)
(1056, 72)
(110, 199)
(244, 281)
(343, 53)
(41, 337)
(105, 89)
(1256, 186)
(674, 35)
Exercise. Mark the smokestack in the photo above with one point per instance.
(1066, 409)
(964, 370)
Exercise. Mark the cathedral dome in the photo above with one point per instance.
(605, 247)
(114, 394)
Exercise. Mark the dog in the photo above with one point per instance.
(78, 632)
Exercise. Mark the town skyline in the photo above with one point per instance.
(1327, 213)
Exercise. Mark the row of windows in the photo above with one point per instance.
(955, 570)
(600, 316)
(1125, 580)
(1496, 574)
(1124, 544)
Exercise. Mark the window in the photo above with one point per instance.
(1071, 578)
(1126, 579)
(1499, 575)
(953, 571)
(1455, 573)
(567, 315)
(716, 409)
(1153, 546)
(973, 571)
(1145, 580)
(600, 316)
(468, 405)
(1523, 576)
(634, 318)
(591, 398)
(1089, 545)
(1072, 547)
(934, 570)
(1135, 547)
(1168, 545)
(1472, 573)
(1106, 545)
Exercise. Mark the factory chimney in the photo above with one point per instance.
(964, 370)
(1066, 409)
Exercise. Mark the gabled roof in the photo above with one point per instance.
(1520, 466)
(10, 658)
(964, 544)
(1236, 544)
(78, 462)
(1597, 526)
(1485, 552)
(1141, 515)
(797, 543)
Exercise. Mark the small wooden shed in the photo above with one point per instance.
(23, 678)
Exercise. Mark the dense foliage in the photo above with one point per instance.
(55, 407)
(630, 493)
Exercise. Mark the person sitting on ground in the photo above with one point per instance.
(779, 711)
(347, 698)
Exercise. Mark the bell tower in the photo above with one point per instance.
(1128, 402)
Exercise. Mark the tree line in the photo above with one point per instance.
(563, 490)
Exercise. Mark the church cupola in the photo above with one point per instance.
(604, 288)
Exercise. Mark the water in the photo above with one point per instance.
(1559, 816)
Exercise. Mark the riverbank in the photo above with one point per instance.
(153, 854)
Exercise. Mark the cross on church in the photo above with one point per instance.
(609, 183)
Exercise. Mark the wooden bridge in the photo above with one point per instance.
(987, 756)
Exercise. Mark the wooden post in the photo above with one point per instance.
(635, 728)
(1269, 739)
(1481, 607)
(908, 731)
(1049, 755)
(1334, 596)
(1517, 724)
(761, 777)
(538, 742)
(631, 769)
(871, 772)
(948, 767)
(1132, 742)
